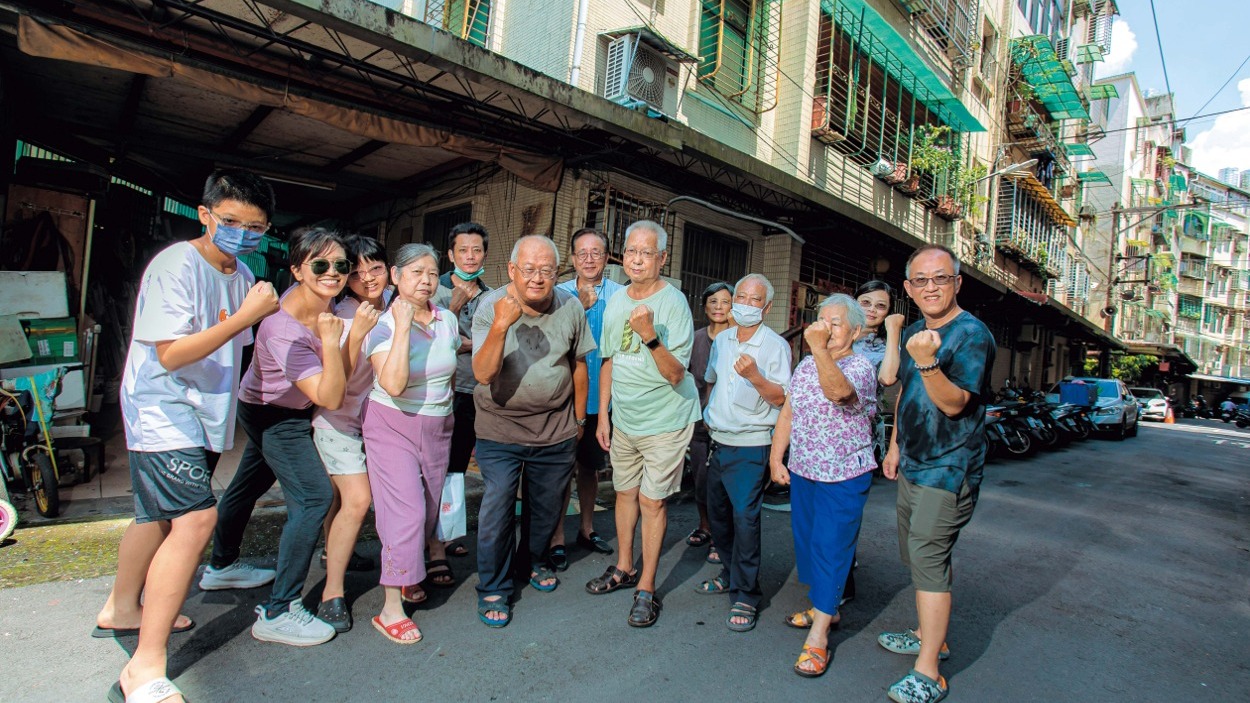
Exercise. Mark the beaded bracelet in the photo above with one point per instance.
(930, 367)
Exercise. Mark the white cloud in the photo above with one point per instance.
(1123, 47)
(1227, 141)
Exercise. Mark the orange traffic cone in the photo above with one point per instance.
(1169, 419)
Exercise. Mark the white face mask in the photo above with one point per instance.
(747, 315)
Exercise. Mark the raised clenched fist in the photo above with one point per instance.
(462, 293)
(365, 319)
(507, 310)
(329, 328)
(587, 296)
(403, 312)
(642, 321)
(746, 368)
(261, 302)
(923, 347)
(817, 334)
(894, 323)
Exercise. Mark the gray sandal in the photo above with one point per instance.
(741, 610)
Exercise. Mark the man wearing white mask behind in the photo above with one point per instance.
(748, 372)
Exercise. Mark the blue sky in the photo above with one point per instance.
(1203, 41)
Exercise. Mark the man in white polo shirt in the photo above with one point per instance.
(748, 372)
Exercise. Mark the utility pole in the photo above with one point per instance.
(1109, 324)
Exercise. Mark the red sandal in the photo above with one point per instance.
(413, 594)
(395, 632)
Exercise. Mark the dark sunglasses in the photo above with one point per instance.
(320, 266)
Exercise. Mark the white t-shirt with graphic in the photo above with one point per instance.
(182, 294)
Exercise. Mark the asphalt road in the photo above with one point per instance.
(1105, 571)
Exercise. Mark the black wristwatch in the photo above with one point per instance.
(655, 343)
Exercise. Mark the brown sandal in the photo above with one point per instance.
(613, 579)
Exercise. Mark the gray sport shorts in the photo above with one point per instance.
(170, 484)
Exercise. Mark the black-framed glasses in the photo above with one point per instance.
(941, 279)
(255, 227)
(320, 266)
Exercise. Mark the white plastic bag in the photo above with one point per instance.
(452, 517)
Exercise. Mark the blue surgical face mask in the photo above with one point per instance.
(468, 276)
(747, 315)
(235, 241)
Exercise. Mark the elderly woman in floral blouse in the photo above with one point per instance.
(826, 423)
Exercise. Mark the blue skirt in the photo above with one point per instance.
(825, 518)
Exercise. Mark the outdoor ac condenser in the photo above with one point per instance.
(636, 72)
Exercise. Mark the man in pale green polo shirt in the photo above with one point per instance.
(648, 335)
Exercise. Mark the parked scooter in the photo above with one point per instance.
(1004, 434)
(1242, 418)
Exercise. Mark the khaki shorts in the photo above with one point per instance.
(929, 521)
(651, 463)
(343, 454)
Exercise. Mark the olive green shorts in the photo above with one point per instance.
(929, 521)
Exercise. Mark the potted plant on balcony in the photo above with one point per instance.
(930, 153)
(964, 199)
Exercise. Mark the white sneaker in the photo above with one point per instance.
(296, 627)
(237, 575)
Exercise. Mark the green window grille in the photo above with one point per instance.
(1196, 225)
(1189, 306)
(467, 19)
(733, 44)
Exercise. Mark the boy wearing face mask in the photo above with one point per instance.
(748, 374)
(194, 314)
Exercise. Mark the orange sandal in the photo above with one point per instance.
(803, 619)
(396, 631)
(819, 659)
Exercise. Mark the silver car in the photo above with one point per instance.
(1115, 410)
(1151, 402)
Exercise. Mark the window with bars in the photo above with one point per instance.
(612, 211)
(1189, 306)
(467, 19)
(707, 257)
(735, 38)
(863, 109)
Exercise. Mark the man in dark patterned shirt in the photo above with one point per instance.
(936, 454)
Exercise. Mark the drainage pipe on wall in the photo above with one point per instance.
(579, 40)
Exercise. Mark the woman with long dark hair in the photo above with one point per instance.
(337, 433)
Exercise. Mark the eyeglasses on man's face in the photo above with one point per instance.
(941, 279)
(545, 273)
(590, 255)
(648, 254)
(255, 227)
(320, 266)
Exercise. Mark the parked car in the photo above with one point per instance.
(1115, 410)
(1151, 402)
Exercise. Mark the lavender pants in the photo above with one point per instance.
(406, 455)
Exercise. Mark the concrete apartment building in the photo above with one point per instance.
(817, 142)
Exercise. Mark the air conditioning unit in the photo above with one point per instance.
(616, 272)
(1030, 334)
(635, 72)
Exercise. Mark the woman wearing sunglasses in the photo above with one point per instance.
(296, 366)
(337, 433)
(407, 425)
